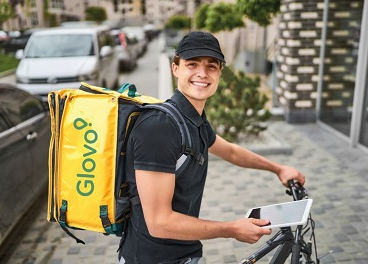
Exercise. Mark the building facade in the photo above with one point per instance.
(321, 51)
(121, 12)
(322, 65)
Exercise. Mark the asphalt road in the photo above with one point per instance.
(19, 248)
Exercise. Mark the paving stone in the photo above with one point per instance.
(56, 261)
(73, 250)
(336, 184)
(229, 259)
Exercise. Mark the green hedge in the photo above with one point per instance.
(238, 107)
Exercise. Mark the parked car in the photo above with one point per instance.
(127, 50)
(151, 31)
(19, 42)
(63, 57)
(24, 143)
(138, 33)
(3, 36)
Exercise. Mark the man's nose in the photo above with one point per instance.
(202, 71)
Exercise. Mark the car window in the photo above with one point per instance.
(19, 106)
(105, 39)
(63, 45)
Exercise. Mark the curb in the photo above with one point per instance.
(270, 144)
(8, 72)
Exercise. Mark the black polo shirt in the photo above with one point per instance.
(155, 145)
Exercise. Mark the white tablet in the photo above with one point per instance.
(283, 214)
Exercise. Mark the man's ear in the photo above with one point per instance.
(174, 69)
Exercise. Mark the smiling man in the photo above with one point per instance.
(164, 227)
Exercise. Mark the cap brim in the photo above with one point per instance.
(189, 54)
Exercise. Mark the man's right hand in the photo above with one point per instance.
(249, 230)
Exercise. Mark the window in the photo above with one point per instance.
(19, 106)
(63, 45)
(57, 4)
(105, 39)
(34, 18)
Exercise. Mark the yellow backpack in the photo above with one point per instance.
(90, 127)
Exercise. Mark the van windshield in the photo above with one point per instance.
(63, 45)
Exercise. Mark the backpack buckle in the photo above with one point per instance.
(189, 151)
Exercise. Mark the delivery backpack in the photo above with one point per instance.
(90, 128)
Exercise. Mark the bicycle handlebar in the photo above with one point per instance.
(296, 190)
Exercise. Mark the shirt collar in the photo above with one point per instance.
(186, 108)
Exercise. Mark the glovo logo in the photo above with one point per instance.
(85, 186)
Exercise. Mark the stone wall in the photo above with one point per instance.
(299, 42)
(300, 28)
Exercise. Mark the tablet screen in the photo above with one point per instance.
(283, 214)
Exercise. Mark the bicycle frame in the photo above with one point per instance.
(285, 240)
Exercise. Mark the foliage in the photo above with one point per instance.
(222, 16)
(178, 22)
(46, 9)
(260, 11)
(6, 11)
(52, 20)
(200, 16)
(238, 107)
(95, 13)
(13, 3)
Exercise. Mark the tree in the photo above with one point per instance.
(238, 107)
(260, 11)
(178, 22)
(218, 17)
(95, 13)
(6, 11)
(200, 16)
(222, 16)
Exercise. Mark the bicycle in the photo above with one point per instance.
(289, 241)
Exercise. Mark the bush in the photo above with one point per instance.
(178, 22)
(238, 107)
(95, 13)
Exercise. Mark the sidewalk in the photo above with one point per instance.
(336, 177)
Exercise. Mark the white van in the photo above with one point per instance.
(62, 57)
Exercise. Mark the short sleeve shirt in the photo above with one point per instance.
(155, 145)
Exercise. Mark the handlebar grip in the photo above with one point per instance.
(295, 254)
(293, 190)
(291, 184)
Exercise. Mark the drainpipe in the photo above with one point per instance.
(321, 60)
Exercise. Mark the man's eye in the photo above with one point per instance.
(191, 65)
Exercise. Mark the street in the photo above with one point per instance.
(145, 76)
(24, 245)
(335, 177)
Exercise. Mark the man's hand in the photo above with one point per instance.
(289, 173)
(249, 230)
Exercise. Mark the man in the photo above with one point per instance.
(165, 227)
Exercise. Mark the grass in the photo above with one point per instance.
(7, 62)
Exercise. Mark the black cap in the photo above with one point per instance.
(199, 44)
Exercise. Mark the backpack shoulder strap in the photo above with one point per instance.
(186, 148)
